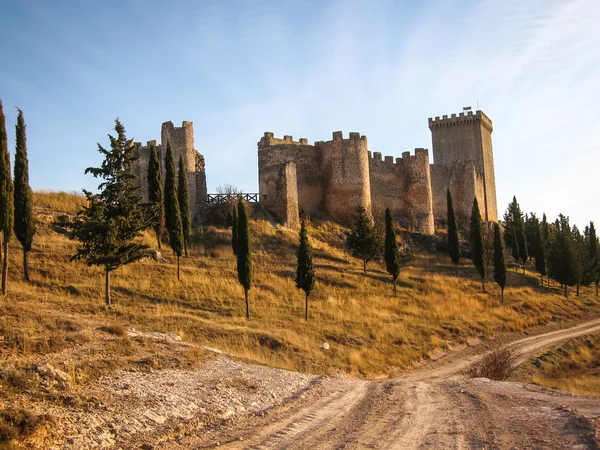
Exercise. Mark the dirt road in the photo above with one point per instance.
(433, 407)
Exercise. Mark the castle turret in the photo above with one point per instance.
(345, 175)
(459, 141)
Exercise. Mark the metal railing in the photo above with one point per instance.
(228, 198)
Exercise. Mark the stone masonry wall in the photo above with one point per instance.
(404, 186)
(279, 185)
(274, 151)
(464, 184)
(140, 167)
(345, 175)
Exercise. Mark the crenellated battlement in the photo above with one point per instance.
(461, 119)
(268, 140)
(421, 154)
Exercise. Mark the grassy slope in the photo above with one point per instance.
(369, 330)
(573, 366)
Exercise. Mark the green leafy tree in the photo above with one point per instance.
(244, 261)
(234, 229)
(172, 212)
(23, 198)
(453, 243)
(499, 264)
(545, 240)
(305, 272)
(476, 238)
(108, 226)
(7, 207)
(532, 225)
(363, 240)
(392, 255)
(155, 190)
(184, 204)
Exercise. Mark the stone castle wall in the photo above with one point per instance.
(279, 186)
(345, 171)
(459, 139)
(404, 186)
(182, 145)
(338, 175)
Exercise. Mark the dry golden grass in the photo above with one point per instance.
(573, 366)
(370, 331)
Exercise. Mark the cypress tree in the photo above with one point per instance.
(184, 204)
(24, 220)
(305, 272)
(522, 242)
(363, 240)
(392, 255)
(540, 252)
(477, 243)
(7, 208)
(579, 249)
(563, 255)
(109, 226)
(592, 266)
(545, 241)
(499, 264)
(515, 247)
(172, 213)
(244, 262)
(234, 229)
(453, 243)
(155, 190)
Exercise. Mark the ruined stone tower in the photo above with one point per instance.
(463, 161)
(182, 145)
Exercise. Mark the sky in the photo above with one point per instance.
(238, 68)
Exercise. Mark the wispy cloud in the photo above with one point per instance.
(240, 68)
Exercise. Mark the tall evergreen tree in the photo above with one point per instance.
(545, 240)
(172, 212)
(514, 232)
(155, 190)
(363, 240)
(24, 220)
(499, 265)
(532, 225)
(540, 252)
(7, 207)
(453, 243)
(579, 247)
(563, 257)
(305, 272)
(184, 204)
(591, 272)
(244, 261)
(234, 228)
(108, 226)
(392, 255)
(477, 243)
(515, 247)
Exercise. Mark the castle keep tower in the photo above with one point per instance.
(182, 145)
(463, 162)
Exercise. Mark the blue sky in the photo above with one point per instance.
(307, 68)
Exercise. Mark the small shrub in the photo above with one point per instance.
(497, 364)
(18, 424)
(115, 329)
(216, 253)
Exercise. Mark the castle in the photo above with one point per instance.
(182, 145)
(338, 175)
